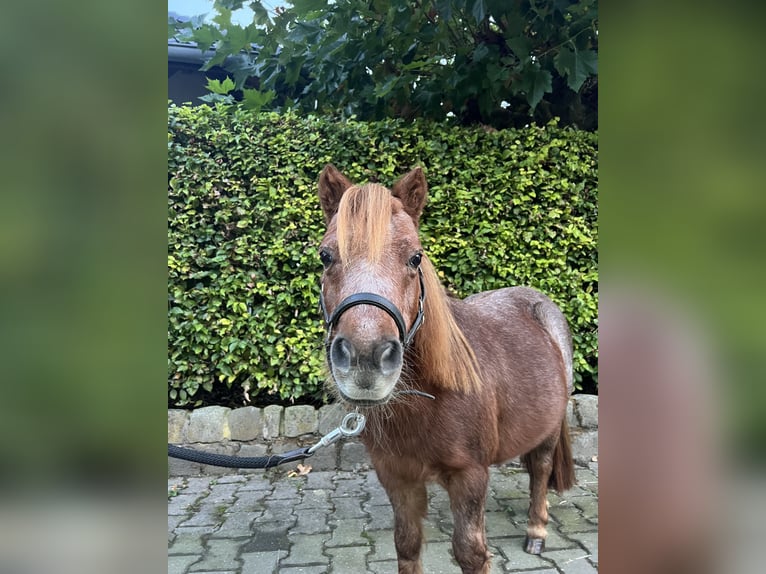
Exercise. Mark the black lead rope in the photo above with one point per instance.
(351, 425)
(238, 461)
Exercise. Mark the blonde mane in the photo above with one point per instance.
(445, 355)
(364, 214)
(443, 350)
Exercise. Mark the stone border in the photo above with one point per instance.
(252, 431)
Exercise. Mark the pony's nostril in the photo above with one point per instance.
(342, 352)
(388, 357)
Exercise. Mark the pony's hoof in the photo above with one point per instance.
(533, 545)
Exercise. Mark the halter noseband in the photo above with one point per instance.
(405, 337)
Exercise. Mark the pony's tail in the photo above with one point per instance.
(563, 473)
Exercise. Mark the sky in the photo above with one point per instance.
(198, 7)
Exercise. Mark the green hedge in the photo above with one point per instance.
(511, 207)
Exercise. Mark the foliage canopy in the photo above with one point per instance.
(496, 62)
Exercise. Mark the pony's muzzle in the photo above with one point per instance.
(365, 375)
(384, 358)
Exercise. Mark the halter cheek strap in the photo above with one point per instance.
(405, 337)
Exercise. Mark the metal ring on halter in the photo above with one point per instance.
(357, 419)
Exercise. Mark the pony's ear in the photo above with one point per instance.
(332, 186)
(412, 190)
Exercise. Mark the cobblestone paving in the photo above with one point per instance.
(341, 522)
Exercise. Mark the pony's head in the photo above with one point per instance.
(372, 286)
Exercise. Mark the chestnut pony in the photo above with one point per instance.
(448, 386)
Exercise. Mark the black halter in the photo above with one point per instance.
(405, 337)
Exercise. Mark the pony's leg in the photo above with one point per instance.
(410, 504)
(468, 493)
(539, 463)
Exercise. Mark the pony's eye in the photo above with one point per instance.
(326, 258)
(415, 260)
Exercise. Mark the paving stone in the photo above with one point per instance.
(508, 487)
(349, 560)
(314, 499)
(437, 559)
(197, 483)
(208, 424)
(353, 455)
(276, 512)
(300, 420)
(206, 515)
(174, 520)
(320, 479)
(306, 549)
(380, 517)
(382, 567)
(187, 543)
(346, 486)
(589, 540)
(180, 564)
(571, 561)
(304, 570)
(266, 539)
(377, 496)
(177, 419)
(555, 541)
(181, 504)
(348, 532)
(245, 423)
(220, 554)
(382, 544)
(311, 521)
(432, 532)
(517, 559)
(288, 488)
(572, 523)
(261, 562)
(250, 500)
(232, 478)
(587, 505)
(499, 524)
(350, 507)
(236, 525)
(222, 493)
(272, 421)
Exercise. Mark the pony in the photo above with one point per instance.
(448, 386)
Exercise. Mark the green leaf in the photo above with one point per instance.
(256, 100)
(536, 82)
(205, 36)
(576, 65)
(218, 87)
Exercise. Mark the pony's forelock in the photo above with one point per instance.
(362, 224)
